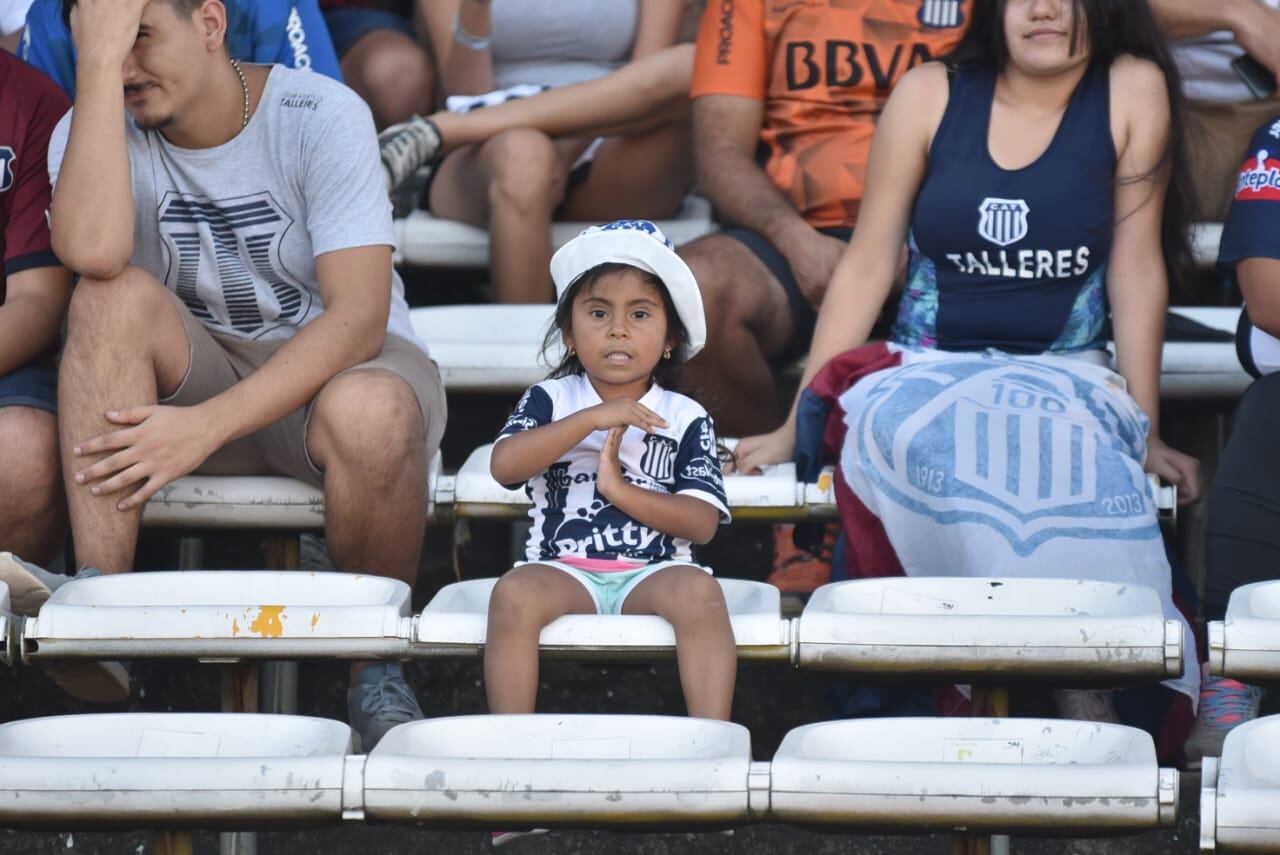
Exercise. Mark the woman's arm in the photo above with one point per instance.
(864, 276)
(658, 27)
(1137, 281)
(463, 70)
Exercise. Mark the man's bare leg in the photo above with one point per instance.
(125, 340)
(32, 511)
(367, 435)
(748, 323)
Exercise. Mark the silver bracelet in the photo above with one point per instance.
(469, 40)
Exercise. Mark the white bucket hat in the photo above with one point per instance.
(641, 244)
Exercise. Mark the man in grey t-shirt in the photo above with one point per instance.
(237, 311)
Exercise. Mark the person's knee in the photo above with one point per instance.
(513, 605)
(525, 171)
(371, 420)
(398, 82)
(121, 307)
(693, 596)
(30, 474)
(714, 267)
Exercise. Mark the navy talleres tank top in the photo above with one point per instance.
(1012, 259)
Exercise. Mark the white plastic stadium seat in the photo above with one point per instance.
(561, 770)
(175, 769)
(1006, 628)
(6, 616)
(1240, 793)
(775, 494)
(492, 349)
(1192, 370)
(1246, 645)
(223, 614)
(454, 622)
(427, 241)
(257, 501)
(1004, 775)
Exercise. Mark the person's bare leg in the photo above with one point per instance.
(748, 323)
(392, 73)
(638, 97)
(367, 435)
(645, 176)
(125, 341)
(524, 601)
(510, 184)
(32, 511)
(693, 603)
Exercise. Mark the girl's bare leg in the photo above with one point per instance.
(524, 601)
(645, 176)
(692, 602)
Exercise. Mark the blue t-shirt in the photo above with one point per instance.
(288, 32)
(570, 517)
(1252, 230)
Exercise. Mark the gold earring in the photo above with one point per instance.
(666, 354)
(571, 351)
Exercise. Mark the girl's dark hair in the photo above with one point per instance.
(1111, 29)
(668, 372)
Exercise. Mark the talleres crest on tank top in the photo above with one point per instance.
(1005, 223)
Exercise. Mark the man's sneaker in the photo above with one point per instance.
(796, 572)
(379, 700)
(502, 838)
(1224, 704)
(29, 585)
(1085, 705)
(406, 147)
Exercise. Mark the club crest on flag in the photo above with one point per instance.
(1003, 221)
(941, 14)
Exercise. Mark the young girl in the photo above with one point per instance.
(624, 475)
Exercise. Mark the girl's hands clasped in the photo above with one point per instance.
(624, 412)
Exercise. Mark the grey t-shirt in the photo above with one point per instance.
(234, 230)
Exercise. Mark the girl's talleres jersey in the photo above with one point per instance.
(1012, 259)
(571, 518)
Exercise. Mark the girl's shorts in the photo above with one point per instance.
(609, 590)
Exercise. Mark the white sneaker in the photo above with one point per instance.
(406, 147)
(1085, 705)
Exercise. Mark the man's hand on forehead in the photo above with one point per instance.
(105, 30)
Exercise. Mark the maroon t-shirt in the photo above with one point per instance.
(30, 105)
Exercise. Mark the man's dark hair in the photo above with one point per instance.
(185, 8)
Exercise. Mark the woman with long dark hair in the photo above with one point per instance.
(1036, 176)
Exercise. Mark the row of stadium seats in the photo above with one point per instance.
(1007, 775)
(427, 241)
(616, 771)
(494, 349)
(1004, 775)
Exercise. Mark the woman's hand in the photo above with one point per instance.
(1181, 470)
(755, 452)
(624, 412)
